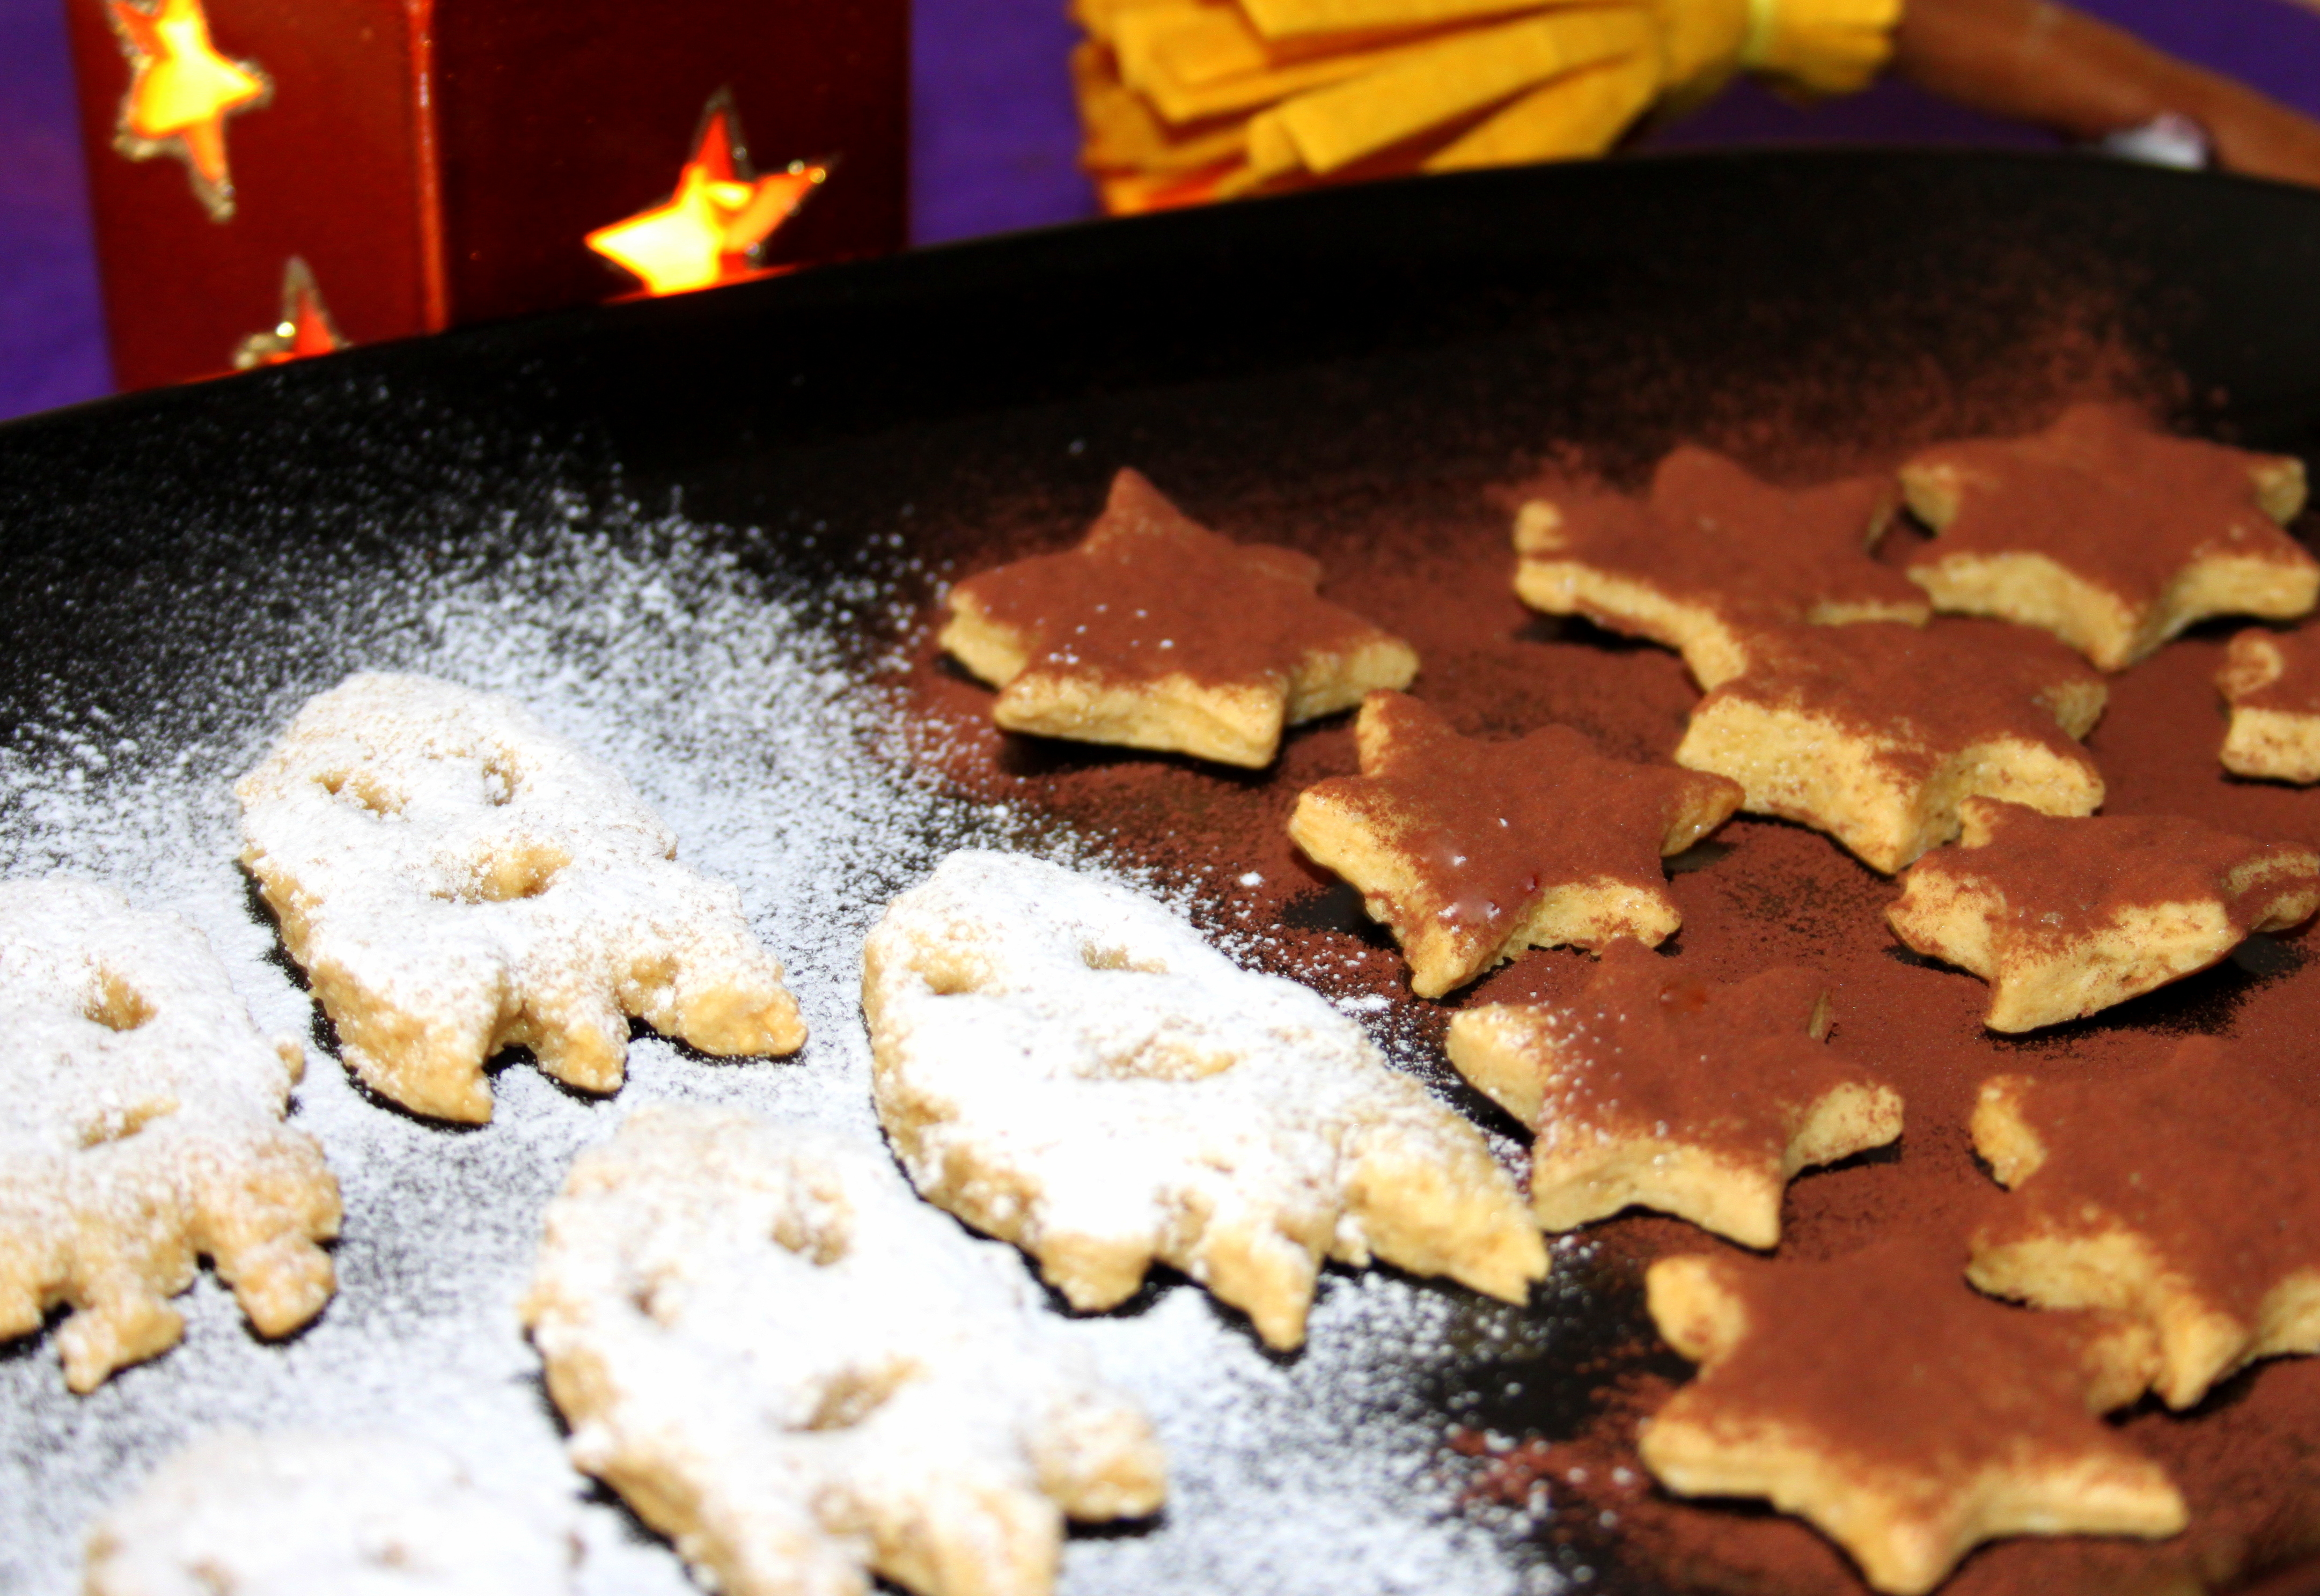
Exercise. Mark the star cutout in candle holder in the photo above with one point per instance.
(305, 329)
(181, 90)
(708, 232)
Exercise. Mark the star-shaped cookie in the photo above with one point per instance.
(2108, 533)
(1471, 851)
(2271, 680)
(2064, 918)
(2185, 1197)
(1711, 550)
(1658, 1091)
(1874, 733)
(1877, 1397)
(1157, 633)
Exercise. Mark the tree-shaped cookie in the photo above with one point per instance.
(2064, 918)
(2185, 1197)
(1471, 851)
(2108, 533)
(802, 1375)
(141, 1126)
(1067, 1065)
(1657, 1090)
(455, 879)
(1908, 1419)
(1875, 733)
(1153, 632)
(360, 1513)
(1710, 552)
(2271, 680)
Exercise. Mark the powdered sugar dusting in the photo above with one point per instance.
(456, 879)
(354, 1514)
(735, 704)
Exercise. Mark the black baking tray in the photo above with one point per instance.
(1453, 328)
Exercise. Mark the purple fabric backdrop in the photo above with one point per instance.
(992, 145)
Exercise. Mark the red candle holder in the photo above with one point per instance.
(435, 162)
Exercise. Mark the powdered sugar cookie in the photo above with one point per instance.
(796, 1369)
(300, 1514)
(1069, 1067)
(456, 879)
(140, 1125)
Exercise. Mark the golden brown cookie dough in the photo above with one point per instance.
(1875, 733)
(1710, 552)
(1471, 851)
(140, 1128)
(2064, 918)
(2108, 533)
(2271, 680)
(2186, 1197)
(803, 1375)
(456, 879)
(1654, 1090)
(1908, 1419)
(1155, 633)
(1068, 1066)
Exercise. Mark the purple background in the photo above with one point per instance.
(992, 146)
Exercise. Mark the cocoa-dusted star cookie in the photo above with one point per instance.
(1908, 1419)
(1471, 851)
(1155, 633)
(2108, 533)
(1710, 551)
(1659, 1090)
(2067, 917)
(2271, 680)
(1874, 733)
(2185, 1196)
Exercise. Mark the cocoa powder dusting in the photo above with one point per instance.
(1926, 694)
(1488, 826)
(2207, 1156)
(1714, 533)
(1431, 561)
(1151, 593)
(2269, 670)
(2061, 880)
(1648, 1047)
(2105, 497)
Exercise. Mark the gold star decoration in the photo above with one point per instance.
(181, 90)
(1471, 851)
(1658, 1091)
(1878, 1398)
(2184, 1196)
(709, 231)
(2108, 533)
(1709, 551)
(305, 328)
(2067, 917)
